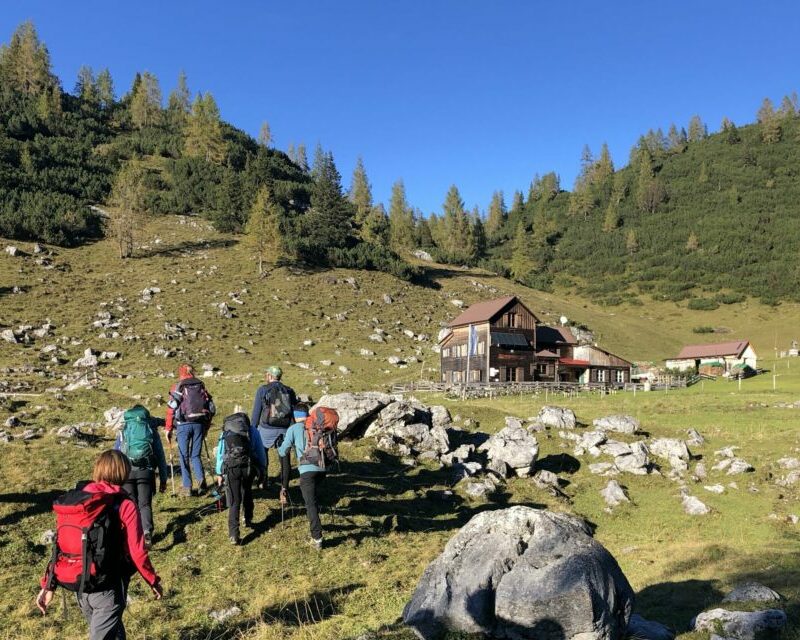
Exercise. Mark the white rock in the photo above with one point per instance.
(715, 488)
(741, 625)
(614, 494)
(457, 303)
(694, 506)
(8, 336)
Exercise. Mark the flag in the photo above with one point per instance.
(473, 340)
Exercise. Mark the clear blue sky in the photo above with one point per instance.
(478, 93)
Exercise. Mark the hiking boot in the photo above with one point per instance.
(148, 539)
(235, 540)
(317, 544)
(201, 490)
(249, 524)
(185, 492)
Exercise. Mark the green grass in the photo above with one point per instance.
(386, 524)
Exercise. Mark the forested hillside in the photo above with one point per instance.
(706, 218)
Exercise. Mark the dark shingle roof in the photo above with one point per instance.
(485, 311)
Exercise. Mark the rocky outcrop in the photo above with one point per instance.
(556, 417)
(356, 410)
(741, 625)
(522, 573)
(513, 447)
(618, 423)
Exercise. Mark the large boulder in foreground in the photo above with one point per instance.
(522, 573)
(356, 410)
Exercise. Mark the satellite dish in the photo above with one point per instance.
(563, 321)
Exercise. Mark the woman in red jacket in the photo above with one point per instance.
(102, 605)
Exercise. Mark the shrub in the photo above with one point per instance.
(703, 330)
(703, 304)
(372, 257)
(731, 298)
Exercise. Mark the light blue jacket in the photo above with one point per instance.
(257, 452)
(296, 436)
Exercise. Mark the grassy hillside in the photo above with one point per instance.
(384, 528)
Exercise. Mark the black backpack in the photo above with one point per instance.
(236, 435)
(277, 409)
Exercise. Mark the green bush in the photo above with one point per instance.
(703, 304)
(731, 298)
(703, 330)
(372, 257)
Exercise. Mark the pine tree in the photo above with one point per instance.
(263, 230)
(360, 192)
(423, 235)
(401, 219)
(478, 233)
(179, 102)
(86, 86)
(265, 134)
(105, 88)
(697, 130)
(497, 215)
(631, 243)
(329, 222)
(146, 101)
(375, 228)
(128, 200)
(522, 260)
(204, 131)
(25, 63)
(732, 134)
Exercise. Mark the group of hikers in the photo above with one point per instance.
(104, 528)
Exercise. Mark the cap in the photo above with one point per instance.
(275, 371)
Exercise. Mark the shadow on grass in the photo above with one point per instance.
(301, 612)
(175, 251)
(38, 503)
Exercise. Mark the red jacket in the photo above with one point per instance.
(131, 529)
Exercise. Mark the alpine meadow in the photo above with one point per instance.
(541, 417)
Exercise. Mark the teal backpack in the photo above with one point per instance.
(137, 437)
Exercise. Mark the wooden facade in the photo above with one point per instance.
(511, 346)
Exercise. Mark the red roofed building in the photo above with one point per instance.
(725, 355)
(520, 349)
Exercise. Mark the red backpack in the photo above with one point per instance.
(321, 438)
(88, 549)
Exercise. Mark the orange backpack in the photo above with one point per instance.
(321, 438)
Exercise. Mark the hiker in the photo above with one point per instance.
(272, 414)
(314, 438)
(100, 568)
(241, 459)
(189, 412)
(139, 441)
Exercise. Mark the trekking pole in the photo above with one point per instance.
(64, 604)
(172, 469)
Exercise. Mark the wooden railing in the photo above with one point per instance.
(494, 389)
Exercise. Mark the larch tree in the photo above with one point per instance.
(375, 228)
(263, 230)
(401, 220)
(302, 157)
(146, 101)
(360, 193)
(649, 190)
(697, 130)
(770, 122)
(179, 101)
(497, 215)
(25, 63)
(128, 202)
(86, 86)
(204, 131)
(522, 260)
(105, 89)
(676, 139)
(291, 152)
(460, 244)
(265, 135)
(619, 190)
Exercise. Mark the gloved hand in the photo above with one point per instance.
(162, 487)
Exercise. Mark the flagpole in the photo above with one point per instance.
(469, 350)
(488, 349)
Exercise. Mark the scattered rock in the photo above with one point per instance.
(669, 448)
(614, 494)
(11, 421)
(12, 250)
(694, 506)
(752, 592)
(367, 353)
(440, 416)
(48, 537)
(344, 370)
(695, 439)
(220, 615)
(557, 417)
(507, 573)
(642, 629)
(457, 303)
(419, 254)
(637, 462)
(618, 423)
(715, 488)
(515, 447)
(741, 625)
(479, 487)
(8, 335)
(87, 361)
(387, 299)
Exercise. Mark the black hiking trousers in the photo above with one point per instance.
(141, 485)
(238, 492)
(309, 485)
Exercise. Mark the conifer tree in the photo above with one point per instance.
(460, 245)
(25, 63)
(676, 139)
(179, 101)
(146, 101)
(478, 233)
(401, 220)
(770, 123)
(788, 108)
(550, 185)
(105, 89)
(85, 86)
(522, 260)
(291, 152)
(375, 228)
(329, 222)
(127, 199)
(697, 130)
(360, 192)
(497, 215)
(204, 131)
(302, 158)
(603, 168)
(422, 232)
(649, 190)
(265, 134)
(263, 230)
(619, 189)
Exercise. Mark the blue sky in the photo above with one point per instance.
(481, 94)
